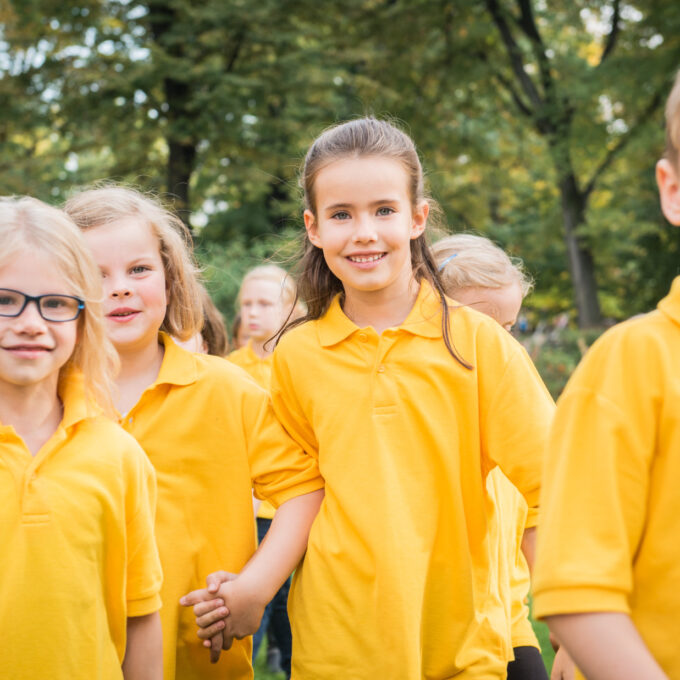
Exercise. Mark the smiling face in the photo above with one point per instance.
(262, 311)
(501, 304)
(32, 350)
(364, 223)
(135, 297)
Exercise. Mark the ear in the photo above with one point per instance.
(419, 223)
(669, 190)
(312, 228)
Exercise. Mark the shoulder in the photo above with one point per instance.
(238, 356)
(298, 341)
(217, 373)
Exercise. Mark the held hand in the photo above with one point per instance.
(210, 613)
(563, 667)
(246, 607)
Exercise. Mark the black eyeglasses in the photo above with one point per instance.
(51, 307)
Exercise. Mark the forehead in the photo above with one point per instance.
(348, 179)
(502, 304)
(35, 272)
(261, 288)
(129, 237)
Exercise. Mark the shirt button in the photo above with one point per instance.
(381, 369)
(363, 337)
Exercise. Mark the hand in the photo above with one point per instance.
(563, 667)
(210, 611)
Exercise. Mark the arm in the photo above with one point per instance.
(246, 596)
(144, 650)
(605, 645)
(529, 547)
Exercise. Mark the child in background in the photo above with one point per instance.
(478, 273)
(608, 563)
(78, 494)
(266, 298)
(207, 428)
(407, 402)
(238, 334)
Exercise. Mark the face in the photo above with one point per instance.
(669, 190)
(32, 350)
(261, 308)
(365, 223)
(501, 304)
(135, 296)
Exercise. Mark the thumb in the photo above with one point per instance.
(217, 578)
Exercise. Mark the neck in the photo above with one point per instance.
(258, 346)
(381, 309)
(34, 411)
(139, 368)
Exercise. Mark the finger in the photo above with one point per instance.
(211, 631)
(203, 608)
(217, 578)
(216, 648)
(212, 617)
(196, 596)
(228, 641)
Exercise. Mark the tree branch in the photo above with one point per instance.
(528, 25)
(653, 105)
(524, 108)
(515, 54)
(614, 33)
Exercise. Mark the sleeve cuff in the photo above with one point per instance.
(579, 601)
(144, 606)
(532, 518)
(278, 499)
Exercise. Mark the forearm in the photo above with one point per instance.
(144, 650)
(283, 546)
(529, 547)
(605, 646)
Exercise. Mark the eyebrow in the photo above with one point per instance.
(380, 201)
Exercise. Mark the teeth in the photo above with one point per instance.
(367, 258)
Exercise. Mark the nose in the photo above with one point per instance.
(30, 321)
(119, 288)
(364, 230)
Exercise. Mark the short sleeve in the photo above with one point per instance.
(595, 491)
(280, 468)
(144, 575)
(516, 422)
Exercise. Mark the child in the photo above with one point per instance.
(238, 335)
(206, 427)
(478, 273)
(407, 403)
(265, 300)
(78, 494)
(608, 564)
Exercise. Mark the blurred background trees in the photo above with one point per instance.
(538, 123)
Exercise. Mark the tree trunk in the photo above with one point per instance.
(181, 160)
(581, 264)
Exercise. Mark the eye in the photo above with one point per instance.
(54, 302)
(385, 210)
(140, 269)
(340, 215)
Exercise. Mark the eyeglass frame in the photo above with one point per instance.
(36, 298)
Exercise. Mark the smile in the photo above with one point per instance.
(366, 258)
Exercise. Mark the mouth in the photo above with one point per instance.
(122, 314)
(28, 350)
(366, 258)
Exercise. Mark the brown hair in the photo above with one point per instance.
(27, 224)
(317, 285)
(214, 333)
(471, 261)
(673, 122)
(105, 204)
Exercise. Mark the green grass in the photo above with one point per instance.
(261, 672)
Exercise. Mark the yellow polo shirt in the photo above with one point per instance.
(78, 554)
(212, 437)
(260, 369)
(396, 582)
(507, 523)
(609, 534)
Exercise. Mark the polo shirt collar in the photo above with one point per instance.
(424, 319)
(77, 406)
(670, 305)
(179, 365)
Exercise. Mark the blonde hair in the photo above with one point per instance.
(102, 205)
(29, 225)
(469, 261)
(673, 122)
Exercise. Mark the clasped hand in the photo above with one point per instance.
(226, 609)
